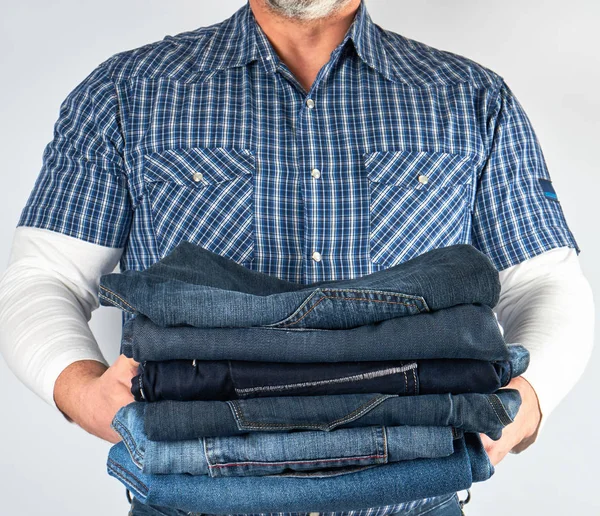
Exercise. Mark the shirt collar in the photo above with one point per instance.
(239, 40)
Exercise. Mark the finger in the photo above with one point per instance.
(126, 366)
(488, 444)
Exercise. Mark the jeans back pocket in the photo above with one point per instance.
(257, 454)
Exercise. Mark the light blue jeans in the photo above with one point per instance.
(378, 486)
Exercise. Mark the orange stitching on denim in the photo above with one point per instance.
(118, 297)
(129, 477)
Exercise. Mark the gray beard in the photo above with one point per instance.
(305, 9)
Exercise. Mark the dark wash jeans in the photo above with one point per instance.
(193, 286)
(462, 331)
(444, 505)
(185, 380)
(181, 420)
(376, 486)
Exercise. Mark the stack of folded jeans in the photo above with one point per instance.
(258, 395)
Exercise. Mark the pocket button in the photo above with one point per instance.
(423, 179)
(197, 177)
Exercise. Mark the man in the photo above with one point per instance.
(301, 140)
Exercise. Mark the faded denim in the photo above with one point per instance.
(462, 331)
(193, 286)
(444, 505)
(185, 380)
(304, 453)
(374, 486)
(472, 412)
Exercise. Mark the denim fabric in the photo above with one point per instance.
(443, 505)
(304, 453)
(182, 420)
(184, 380)
(371, 487)
(194, 286)
(462, 331)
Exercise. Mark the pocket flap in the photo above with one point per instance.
(419, 169)
(198, 166)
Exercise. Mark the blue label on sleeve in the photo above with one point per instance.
(548, 189)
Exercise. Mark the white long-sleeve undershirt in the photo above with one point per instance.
(49, 290)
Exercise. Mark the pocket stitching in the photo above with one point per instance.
(295, 317)
(244, 424)
(362, 376)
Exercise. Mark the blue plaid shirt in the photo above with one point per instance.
(206, 136)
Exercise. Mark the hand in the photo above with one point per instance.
(522, 429)
(90, 394)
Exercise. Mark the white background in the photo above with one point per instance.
(546, 50)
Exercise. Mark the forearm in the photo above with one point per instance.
(72, 383)
(546, 304)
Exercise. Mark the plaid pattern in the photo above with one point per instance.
(207, 136)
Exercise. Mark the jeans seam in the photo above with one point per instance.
(499, 400)
(500, 411)
(362, 376)
(360, 411)
(378, 455)
(114, 302)
(281, 324)
(416, 382)
(346, 299)
(117, 469)
(136, 456)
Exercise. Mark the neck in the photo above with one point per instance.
(304, 45)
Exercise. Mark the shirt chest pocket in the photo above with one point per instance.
(205, 196)
(418, 201)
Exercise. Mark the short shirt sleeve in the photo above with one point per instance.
(81, 190)
(517, 214)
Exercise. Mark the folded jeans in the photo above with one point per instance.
(185, 380)
(193, 286)
(471, 412)
(378, 485)
(302, 453)
(463, 331)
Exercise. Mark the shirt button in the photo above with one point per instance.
(316, 173)
(316, 256)
(310, 103)
(197, 177)
(423, 179)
